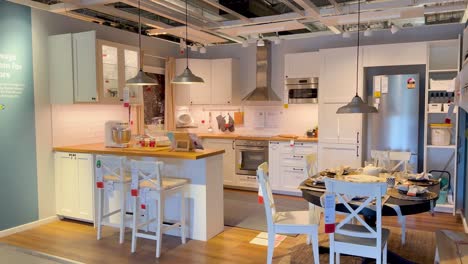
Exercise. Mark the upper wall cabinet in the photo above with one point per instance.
(395, 54)
(301, 65)
(116, 64)
(220, 86)
(72, 73)
(338, 75)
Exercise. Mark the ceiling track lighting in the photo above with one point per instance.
(368, 32)
(357, 105)
(394, 29)
(141, 78)
(187, 77)
(203, 50)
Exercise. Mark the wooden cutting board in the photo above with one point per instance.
(239, 118)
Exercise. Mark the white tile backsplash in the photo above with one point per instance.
(83, 123)
(296, 119)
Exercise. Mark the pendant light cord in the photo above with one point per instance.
(358, 44)
(139, 35)
(186, 31)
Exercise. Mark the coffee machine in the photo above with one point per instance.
(117, 134)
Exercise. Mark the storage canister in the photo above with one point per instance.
(440, 134)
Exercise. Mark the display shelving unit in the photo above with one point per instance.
(443, 63)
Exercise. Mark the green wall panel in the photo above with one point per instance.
(18, 186)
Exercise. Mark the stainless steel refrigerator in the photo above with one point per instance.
(396, 125)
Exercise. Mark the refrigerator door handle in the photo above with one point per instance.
(357, 137)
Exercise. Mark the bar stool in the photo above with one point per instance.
(111, 175)
(147, 179)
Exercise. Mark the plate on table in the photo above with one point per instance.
(361, 178)
(424, 182)
(395, 193)
(403, 189)
(315, 182)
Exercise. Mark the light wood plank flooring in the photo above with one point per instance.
(77, 241)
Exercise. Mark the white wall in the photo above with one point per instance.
(75, 124)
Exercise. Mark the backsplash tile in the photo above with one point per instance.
(83, 123)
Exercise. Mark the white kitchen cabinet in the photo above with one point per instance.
(301, 65)
(116, 64)
(339, 128)
(229, 158)
(221, 77)
(338, 75)
(287, 163)
(74, 185)
(395, 54)
(72, 63)
(335, 155)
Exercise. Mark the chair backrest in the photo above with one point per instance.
(268, 201)
(310, 165)
(346, 190)
(148, 172)
(399, 158)
(110, 165)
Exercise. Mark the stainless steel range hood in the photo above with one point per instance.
(263, 91)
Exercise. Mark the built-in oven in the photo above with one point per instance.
(302, 90)
(249, 155)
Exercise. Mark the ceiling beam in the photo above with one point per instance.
(391, 14)
(227, 10)
(293, 7)
(129, 16)
(312, 10)
(30, 3)
(182, 10)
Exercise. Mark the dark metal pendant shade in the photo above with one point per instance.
(356, 106)
(187, 77)
(142, 79)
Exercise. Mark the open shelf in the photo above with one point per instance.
(442, 147)
(444, 208)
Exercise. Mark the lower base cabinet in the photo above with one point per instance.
(229, 158)
(74, 185)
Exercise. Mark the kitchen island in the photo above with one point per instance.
(205, 212)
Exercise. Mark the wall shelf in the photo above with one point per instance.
(442, 147)
(443, 70)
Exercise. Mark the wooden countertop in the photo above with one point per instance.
(238, 136)
(142, 152)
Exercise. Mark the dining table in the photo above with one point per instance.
(407, 207)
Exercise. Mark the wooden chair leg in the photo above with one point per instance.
(123, 212)
(271, 247)
(182, 216)
(99, 214)
(159, 224)
(136, 214)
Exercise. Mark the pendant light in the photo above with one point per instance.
(141, 78)
(357, 105)
(187, 77)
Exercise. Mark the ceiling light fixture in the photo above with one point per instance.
(346, 34)
(394, 29)
(194, 48)
(187, 77)
(141, 78)
(357, 105)
(277, 40)
(245, 44)
(203, 50)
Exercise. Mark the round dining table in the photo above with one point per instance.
(407, 207)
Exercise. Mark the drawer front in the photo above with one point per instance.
(292, 160)
(248, 181)
(298, 148)
(292, 177)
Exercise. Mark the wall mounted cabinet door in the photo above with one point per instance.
(84, 48)
(338, 75)
(274, 157)
(85, 178)
(300, 65)
(200, 93)
(221, 81)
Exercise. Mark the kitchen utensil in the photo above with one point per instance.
(230, 124)
(184, 119)
(210, 119)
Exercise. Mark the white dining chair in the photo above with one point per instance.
(111, 177)
(292, 222)
(353, 239)
(147, 178)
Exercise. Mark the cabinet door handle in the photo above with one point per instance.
(357, 137)
(232, 144)
(357, 151)
(93, 98)
(298, 169)
(297, 156)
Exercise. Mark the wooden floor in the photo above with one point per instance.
(77, 241)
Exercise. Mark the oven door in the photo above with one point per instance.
(249, 158)
(303, 95)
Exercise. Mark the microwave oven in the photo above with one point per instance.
(302, 90)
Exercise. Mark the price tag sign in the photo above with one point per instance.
(329, 215)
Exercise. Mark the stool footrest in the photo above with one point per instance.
(111, 213)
